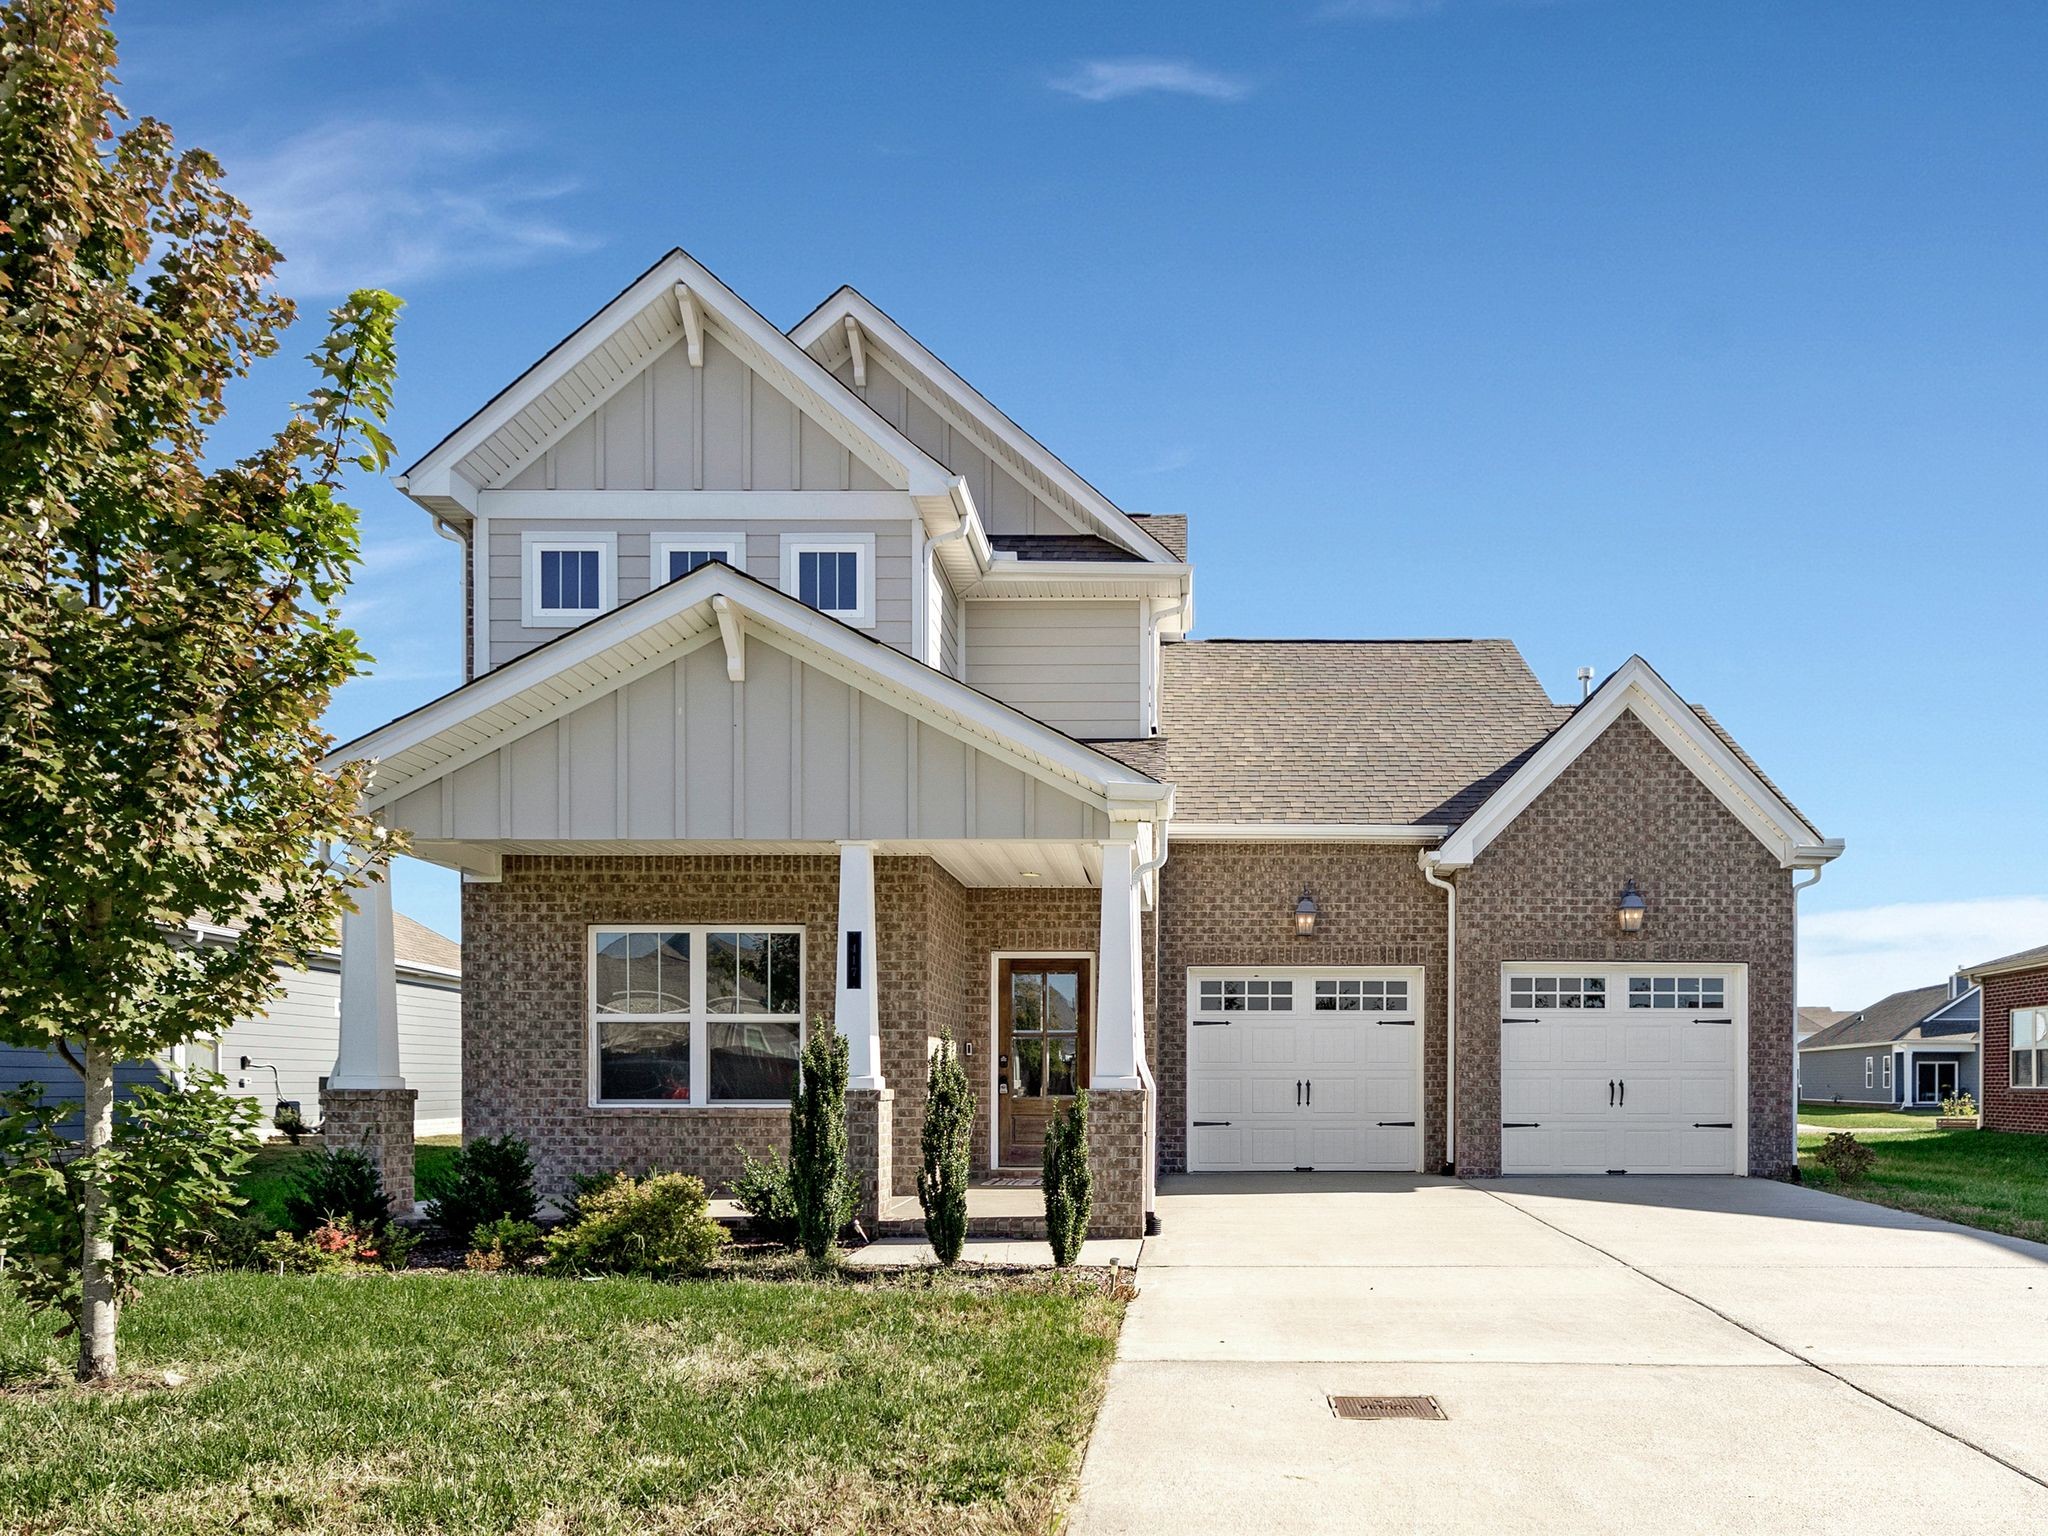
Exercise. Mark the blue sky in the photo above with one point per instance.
(1709, 331)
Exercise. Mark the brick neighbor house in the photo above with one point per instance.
(2015, 1096)
(806, 689)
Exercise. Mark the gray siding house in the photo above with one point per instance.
(806, 689)
(1912, 1049)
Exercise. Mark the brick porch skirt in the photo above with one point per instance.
(378, 1123)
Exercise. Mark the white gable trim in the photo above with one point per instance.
(1637, 689)
(435, 482)
(826, 329)
(717, 602)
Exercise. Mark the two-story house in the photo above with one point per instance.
(808, 690)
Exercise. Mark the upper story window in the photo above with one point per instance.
(2030, 1047)
(678, 554)
(568, 578)
(835, 576)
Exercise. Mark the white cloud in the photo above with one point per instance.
(390, 203)
(1851, 959)
(1116, 79)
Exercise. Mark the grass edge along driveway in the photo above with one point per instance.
(454, 1402)
(1996, 1180)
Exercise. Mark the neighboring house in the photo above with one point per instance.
(291, 1045)
(1811, 1022)
(1914, 1048)
(806, 687)
(2015, 1096)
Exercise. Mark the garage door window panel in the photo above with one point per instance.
(1528, 992)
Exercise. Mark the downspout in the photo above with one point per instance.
(455, 535)
(1797, 887)
(1151, 867)
(1425, 863)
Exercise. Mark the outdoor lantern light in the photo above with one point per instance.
(1305, 915)
(1630, 908)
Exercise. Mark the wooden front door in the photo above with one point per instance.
(1043, 1025)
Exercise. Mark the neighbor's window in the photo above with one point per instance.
(679, 554)
(1870, 1072)
(700, 1015)
(1557, 991)
(1887, 1071)
(835, 577)
(2030, 1047)
(567, 580)
(1676, 992)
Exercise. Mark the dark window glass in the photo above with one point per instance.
(644, 1059)
(643, 972)
(828, 580)
(753, 1058)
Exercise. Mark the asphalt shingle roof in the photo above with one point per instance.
(2024, 960)
(1058, 546)
(414, 943)
(1399, 732)
(1901, 1016)
(1169, 528)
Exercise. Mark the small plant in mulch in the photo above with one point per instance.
(658, 1227)
(489, 1180)
(948, 1131)
(817, 1143)
(1959, 1106)
(339, 1245)
(762, 1189)
(1069, 1187)
(336, 1183)
(1845, 1157)
(504, 1244)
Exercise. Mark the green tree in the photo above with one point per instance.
(169, 629)
(817, 1143)
(1068, 1185)
(946, 1145)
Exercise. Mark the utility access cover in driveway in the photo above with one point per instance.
(1386, 1408)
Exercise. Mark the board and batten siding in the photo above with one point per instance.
(791, 754)
(894, 578)
(1073, 665)
(672, 427)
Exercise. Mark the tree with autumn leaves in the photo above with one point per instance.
(170, 633)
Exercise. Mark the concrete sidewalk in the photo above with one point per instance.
(1613, 1354)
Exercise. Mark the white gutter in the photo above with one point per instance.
(1426, 864)
(1797, 887)
(1308, 832)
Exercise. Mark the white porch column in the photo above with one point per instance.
(1120, 986)
(857, 1006)
(368, 1052)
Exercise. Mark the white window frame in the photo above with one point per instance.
(533, 545)
(1887, 1071)
(698, 1018)
(2036, 1047)
(1870, 1071)
(731, 545)
(860, 544)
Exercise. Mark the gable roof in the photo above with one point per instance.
(822, 334)
(1635, 688)
(2025, 960)
(1387, 734)
(1821, 1018)
(603, 654)
(575, 376)
(415, 944)
(1920, 1013)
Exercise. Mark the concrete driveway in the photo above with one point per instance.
(1622, 1354)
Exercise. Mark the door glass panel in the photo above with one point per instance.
(1027, 1002)
(1030, 1054)
(1059, 1065)
(1062, 999)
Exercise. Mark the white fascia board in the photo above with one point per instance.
(1962, 1044)
(738, 321)
(1637, 689)
(1306, 832)
(829, 318)
(917, 689)
(2004, 967)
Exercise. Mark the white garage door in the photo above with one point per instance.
(1304, 1069)
(1622, 1071)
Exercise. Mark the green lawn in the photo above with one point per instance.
(1861, 1117)
(754, 1401)
(1990, 1179)
(269, 1176)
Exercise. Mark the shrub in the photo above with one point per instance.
(763, 1191)
(948, 1134)
(1959, 1106)
(1068, 1185)
(817, 1143)
(339, 1244)
(502, 1244)
(491, 1179)
(286, 1120)
(657, 1226)
(1845, 1157)
(334, 1183)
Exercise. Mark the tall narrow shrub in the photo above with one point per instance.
(948, 1131)
(1069, 1188)
(817, 1142)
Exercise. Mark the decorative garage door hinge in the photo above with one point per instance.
(1211, 1023)
(1397, 1122)
(1713, 1125)
(1200, 1123)
(1520, 1125)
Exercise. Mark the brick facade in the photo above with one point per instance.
(1233, 904)
(2004, 1107)
(377, 1122)
(1545, 890)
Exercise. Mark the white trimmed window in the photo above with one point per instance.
(1557, 992)
(1870, 1072)
(2030, 1048)
(834, 576)
(1677, 992)
(568, 577)
(1887, 1071)
(675, 555)
(682, 1016)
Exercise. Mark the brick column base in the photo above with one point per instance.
(870, 1155)
(378, 1123)
(1116, 1158)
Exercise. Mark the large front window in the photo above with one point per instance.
(698, 1015)
(2030, 1047)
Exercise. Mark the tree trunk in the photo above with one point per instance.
(100, 1311)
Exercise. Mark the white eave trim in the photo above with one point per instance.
(1306, 832)
(1637, 689)
(1947, 1043)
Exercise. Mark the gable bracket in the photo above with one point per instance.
(735, 638)
(858, 347)
(693, 323)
